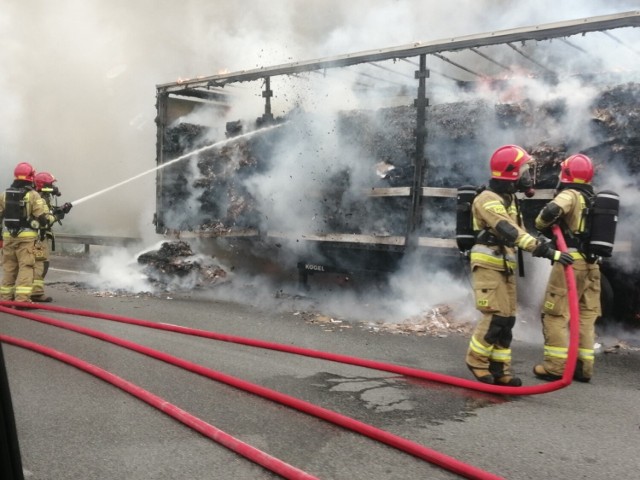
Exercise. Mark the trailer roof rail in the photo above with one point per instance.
(545, 31)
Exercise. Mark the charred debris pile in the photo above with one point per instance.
(176, 265)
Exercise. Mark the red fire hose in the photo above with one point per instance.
(261, 458)
(417, 450)
(399, 369)
(382, 436)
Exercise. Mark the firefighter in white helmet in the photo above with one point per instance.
(498, 229)
(22, 212)
(44, 183)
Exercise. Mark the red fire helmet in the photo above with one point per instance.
(24, 171)
(507, 161)
(576, 169)
(43, 179)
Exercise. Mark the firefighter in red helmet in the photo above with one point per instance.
(497, 226)
(22, 212)
(44, 183)
(568, 209)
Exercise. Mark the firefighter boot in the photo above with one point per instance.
(502, 377)
(41, 298)
(478, 355)
(540, 372)
(478, 363)
(579, 374)
(483, 376)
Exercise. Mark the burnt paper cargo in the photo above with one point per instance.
(216, 198)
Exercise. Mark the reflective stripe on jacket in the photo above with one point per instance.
(490, 208)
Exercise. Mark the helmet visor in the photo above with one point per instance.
(526, 180)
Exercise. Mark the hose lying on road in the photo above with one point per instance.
(432, 456)
(261, 458)
(400, 443)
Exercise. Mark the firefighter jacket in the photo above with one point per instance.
(497, 252)
(46, 232)
(36, 213)
(569, 205)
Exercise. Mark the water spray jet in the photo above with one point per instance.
(175, 160)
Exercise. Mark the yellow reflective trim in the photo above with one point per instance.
(498, 261)
(519, 156)
(549, 305)
(555, 352)
(480, 349)
(526, 241)
(501, 355)
(583, 216)
(495, 207)
(586, 353)
(22, 234)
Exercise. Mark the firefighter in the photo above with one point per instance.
(497, 224)
(568, 210)
(22, 212)
(44, 183)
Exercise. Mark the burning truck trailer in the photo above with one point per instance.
(359, 172)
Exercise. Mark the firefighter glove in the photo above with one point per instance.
(66, 207)
(58, 212)
(544, 250)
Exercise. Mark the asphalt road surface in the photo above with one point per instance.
(72, 425)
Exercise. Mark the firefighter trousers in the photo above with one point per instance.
(489, 351)
(555, 318)
(42, 251)
(17, 265)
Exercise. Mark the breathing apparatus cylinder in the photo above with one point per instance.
(15, 210)
(604, 219)
(465, 237)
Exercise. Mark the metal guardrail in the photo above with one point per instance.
(88, 240)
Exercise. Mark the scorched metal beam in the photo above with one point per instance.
(537, 32)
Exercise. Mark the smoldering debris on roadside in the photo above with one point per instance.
(175, 264)
(437, 322)
(621, 346)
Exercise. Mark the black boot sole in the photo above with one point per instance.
(547, 377)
